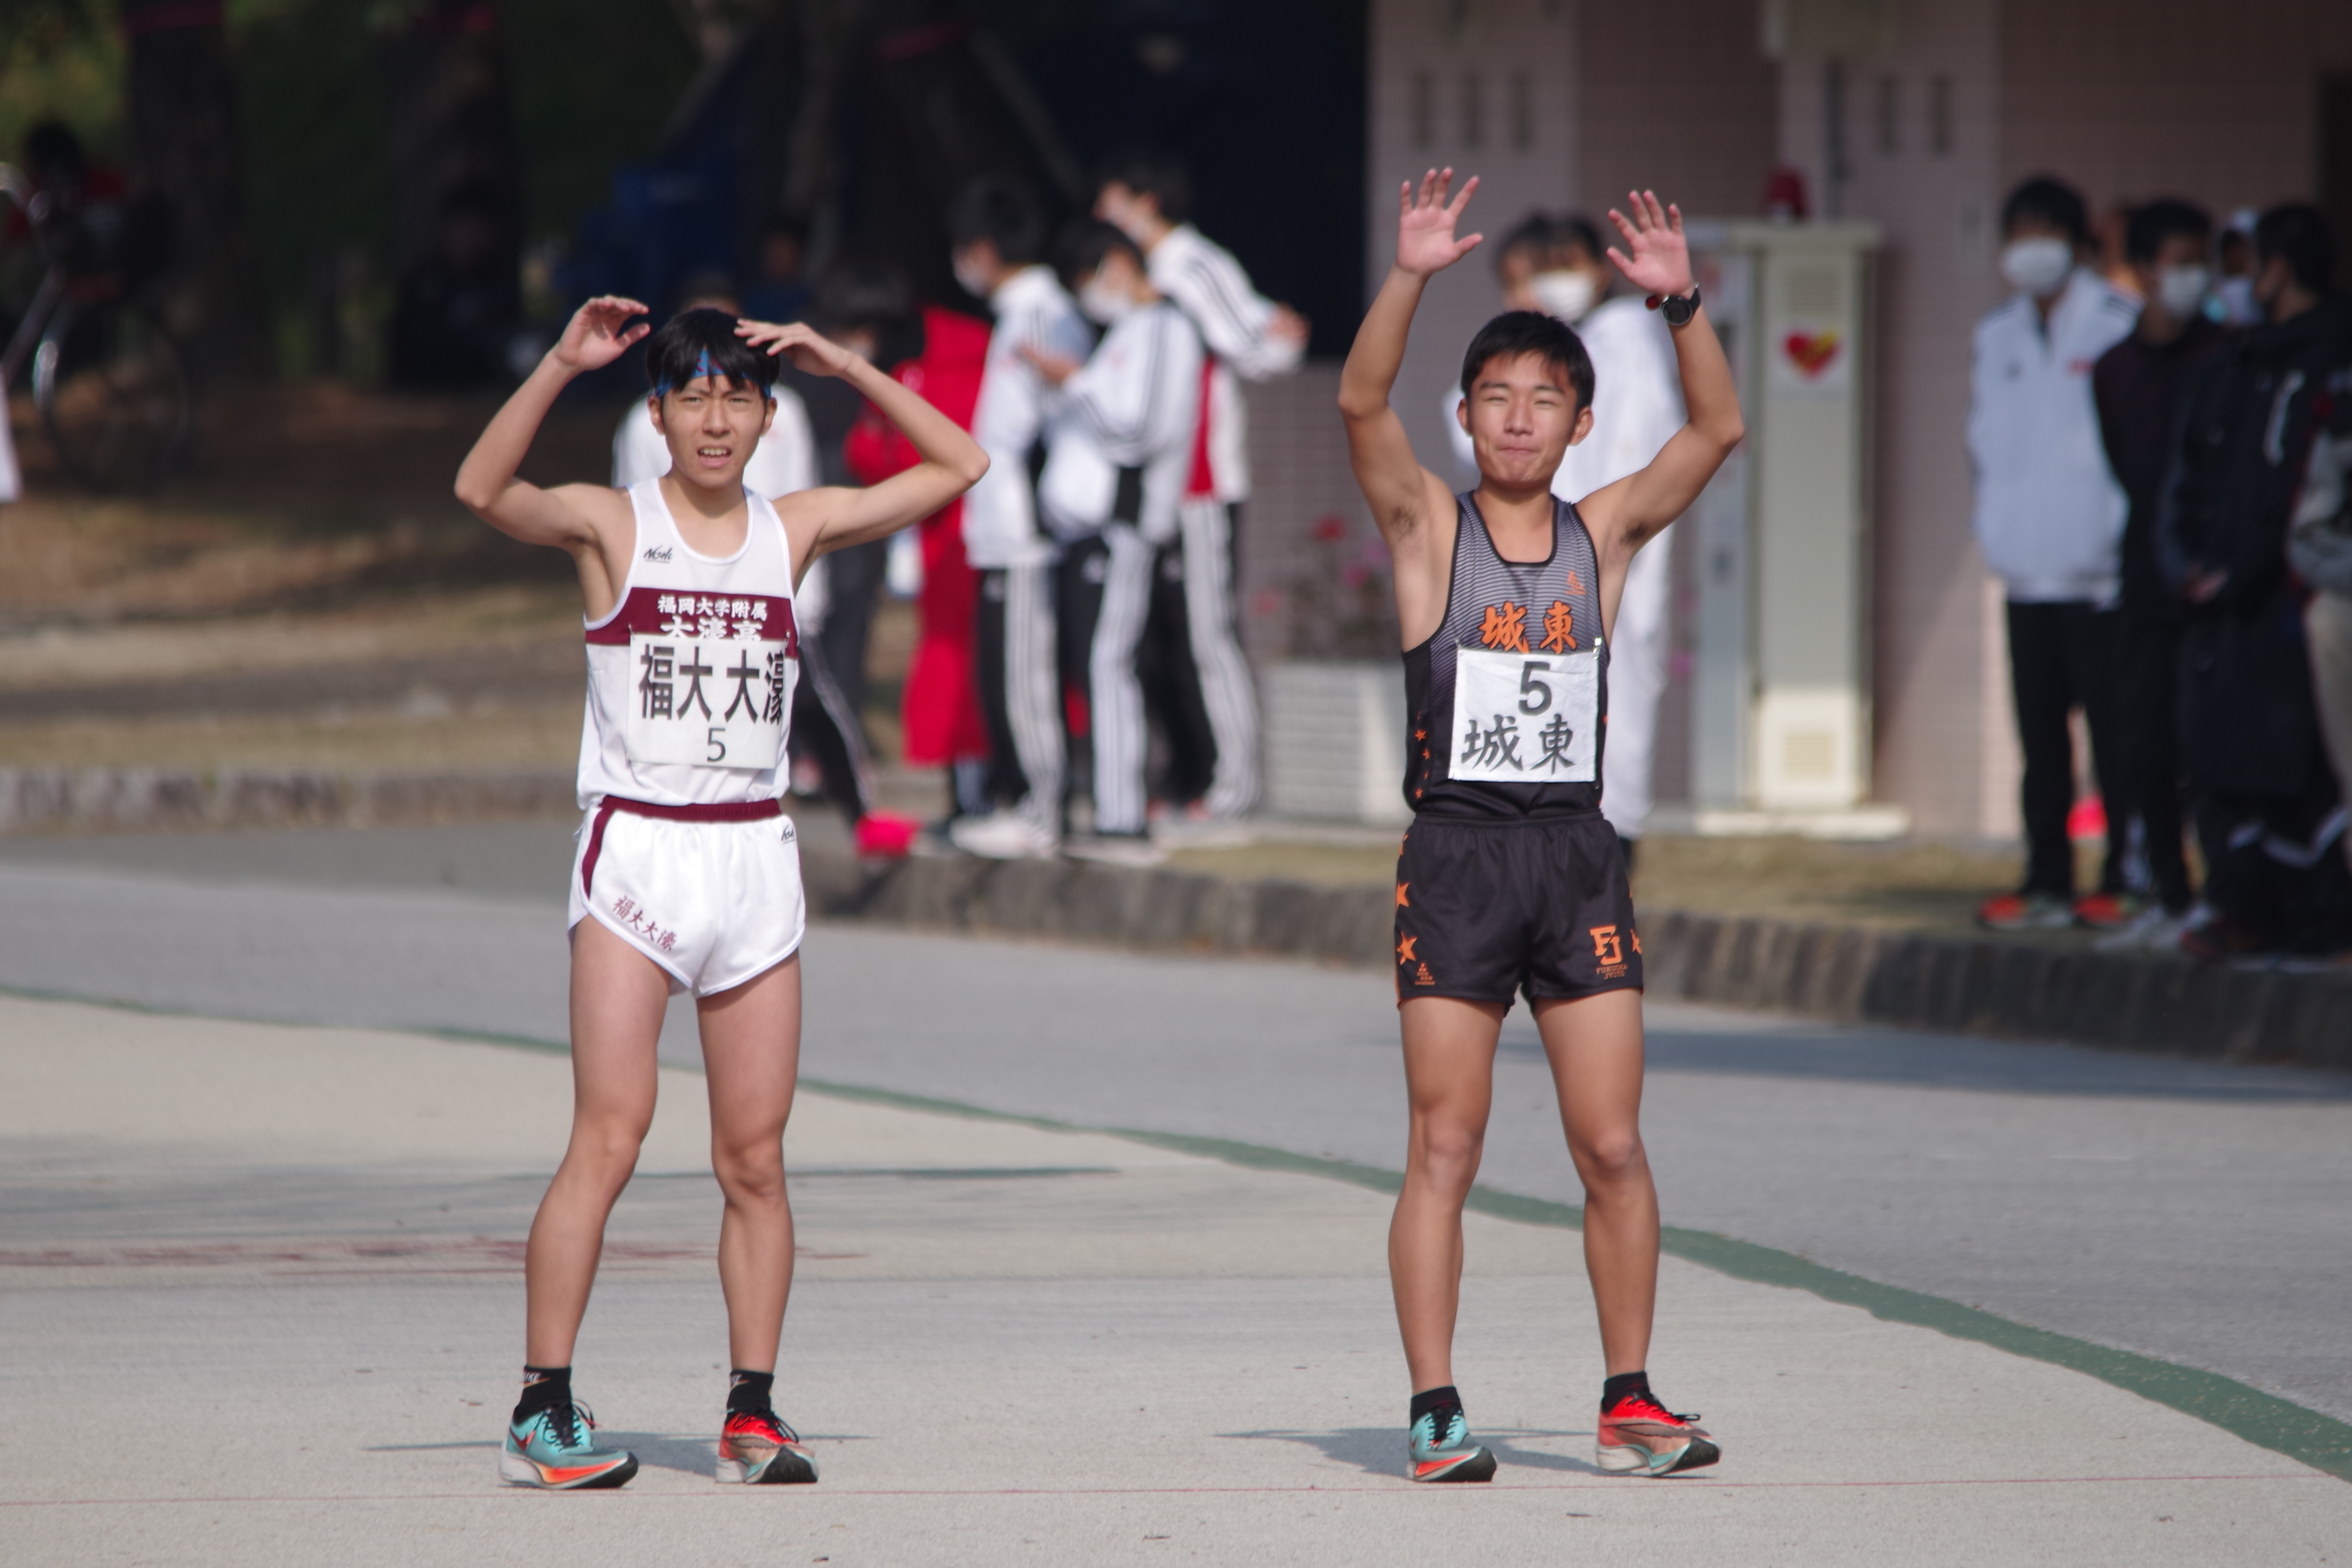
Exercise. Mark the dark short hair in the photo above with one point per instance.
(1084, 244)
(1150, 172)
(2153, 223)
(2048, 200)
(703, 342)
(2300, 234)
(1575, 231)
(51, 144)
(860, 295)
(1000, 213)
(1532, 232)
(1517, 332)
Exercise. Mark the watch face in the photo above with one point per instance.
(1679, 309)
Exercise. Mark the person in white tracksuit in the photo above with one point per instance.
(999, 238)
(1138, 396)
(1637, 405)
(1248, 338)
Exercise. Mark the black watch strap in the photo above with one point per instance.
(1678, 309)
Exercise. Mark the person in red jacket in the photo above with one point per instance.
(940, 707)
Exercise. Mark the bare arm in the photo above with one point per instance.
(599, 332)
(1625, 515)
(1401, 493)
(819, 521)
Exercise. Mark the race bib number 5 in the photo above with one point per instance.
(1526, 718)
(710, 704)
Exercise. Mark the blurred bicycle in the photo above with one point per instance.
(109, 380)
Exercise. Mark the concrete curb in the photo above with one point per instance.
(2149, 1001)
(2140, 1002)
(49, 800)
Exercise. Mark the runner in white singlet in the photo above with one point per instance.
(686, 876)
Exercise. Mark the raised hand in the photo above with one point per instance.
(807, 349)
(599, 332)
(1425, 220)
(1659, 260)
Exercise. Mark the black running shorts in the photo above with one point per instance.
(1489, 910)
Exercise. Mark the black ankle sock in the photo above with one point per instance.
(1434, 1399)
(749, 1393)
(543, 1388)
(1625, 1382)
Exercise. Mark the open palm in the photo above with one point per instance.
(1656, 258)
(1425, 222)
(599, 332)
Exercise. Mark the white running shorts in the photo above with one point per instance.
(714, 904)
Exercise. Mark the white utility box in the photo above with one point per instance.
(1781, 702)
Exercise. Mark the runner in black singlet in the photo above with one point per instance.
(1510, 882)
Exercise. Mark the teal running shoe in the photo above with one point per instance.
(554, 1450)
(1442, 1451)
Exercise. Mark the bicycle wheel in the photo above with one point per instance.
(115, 395)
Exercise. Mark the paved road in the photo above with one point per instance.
(2193, 1213)
(290, 1255)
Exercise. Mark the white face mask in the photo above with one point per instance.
(1564, 294)
(1103, 304)
(971, 279)
(2039, 266)
(2181, 289)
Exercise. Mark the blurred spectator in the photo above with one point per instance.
(2138, 386)
(778, 291)
(456, 307)
(2235, 258)
(2320, 547)
(871, 312)
(939, 709)
(998, 236)
(2050, 519)
(2269, 812)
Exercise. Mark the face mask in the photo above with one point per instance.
(2181, 290)
(971, 279)
(2038, 267)
(1102, 304)
(1563, 294)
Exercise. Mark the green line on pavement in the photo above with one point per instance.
(2263, 1419)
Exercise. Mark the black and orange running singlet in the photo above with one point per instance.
(1507, 703)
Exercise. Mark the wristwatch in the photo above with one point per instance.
(1678, 309)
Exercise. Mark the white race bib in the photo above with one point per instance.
(1523, 718)
(707, 703)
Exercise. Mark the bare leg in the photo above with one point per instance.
(617, 997)
(752, 1053)
(1449, 1073)
(1595, 1047)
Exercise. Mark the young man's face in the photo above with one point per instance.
(711, 428)
(2174, 253)
(1522, 416)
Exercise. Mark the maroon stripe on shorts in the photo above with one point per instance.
(713, 811)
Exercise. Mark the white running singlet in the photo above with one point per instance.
(690, 677)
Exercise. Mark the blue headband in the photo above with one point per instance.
(703, 370)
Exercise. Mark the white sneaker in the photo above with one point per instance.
(1116, 849)
(2150, 931)
(1002, 836)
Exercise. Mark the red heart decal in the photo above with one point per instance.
(1812, 351)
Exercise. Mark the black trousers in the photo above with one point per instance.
(2062, 657)
(825, 728)
(2275, 864)
(2150, 779)
(854, 577)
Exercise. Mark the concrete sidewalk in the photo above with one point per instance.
(260, 1303)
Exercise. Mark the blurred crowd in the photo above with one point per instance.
(2161, 446)
(1076, 671)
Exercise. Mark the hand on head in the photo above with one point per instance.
(807, 349)
(1425, 223)
(1657, 258)
(599, 333)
